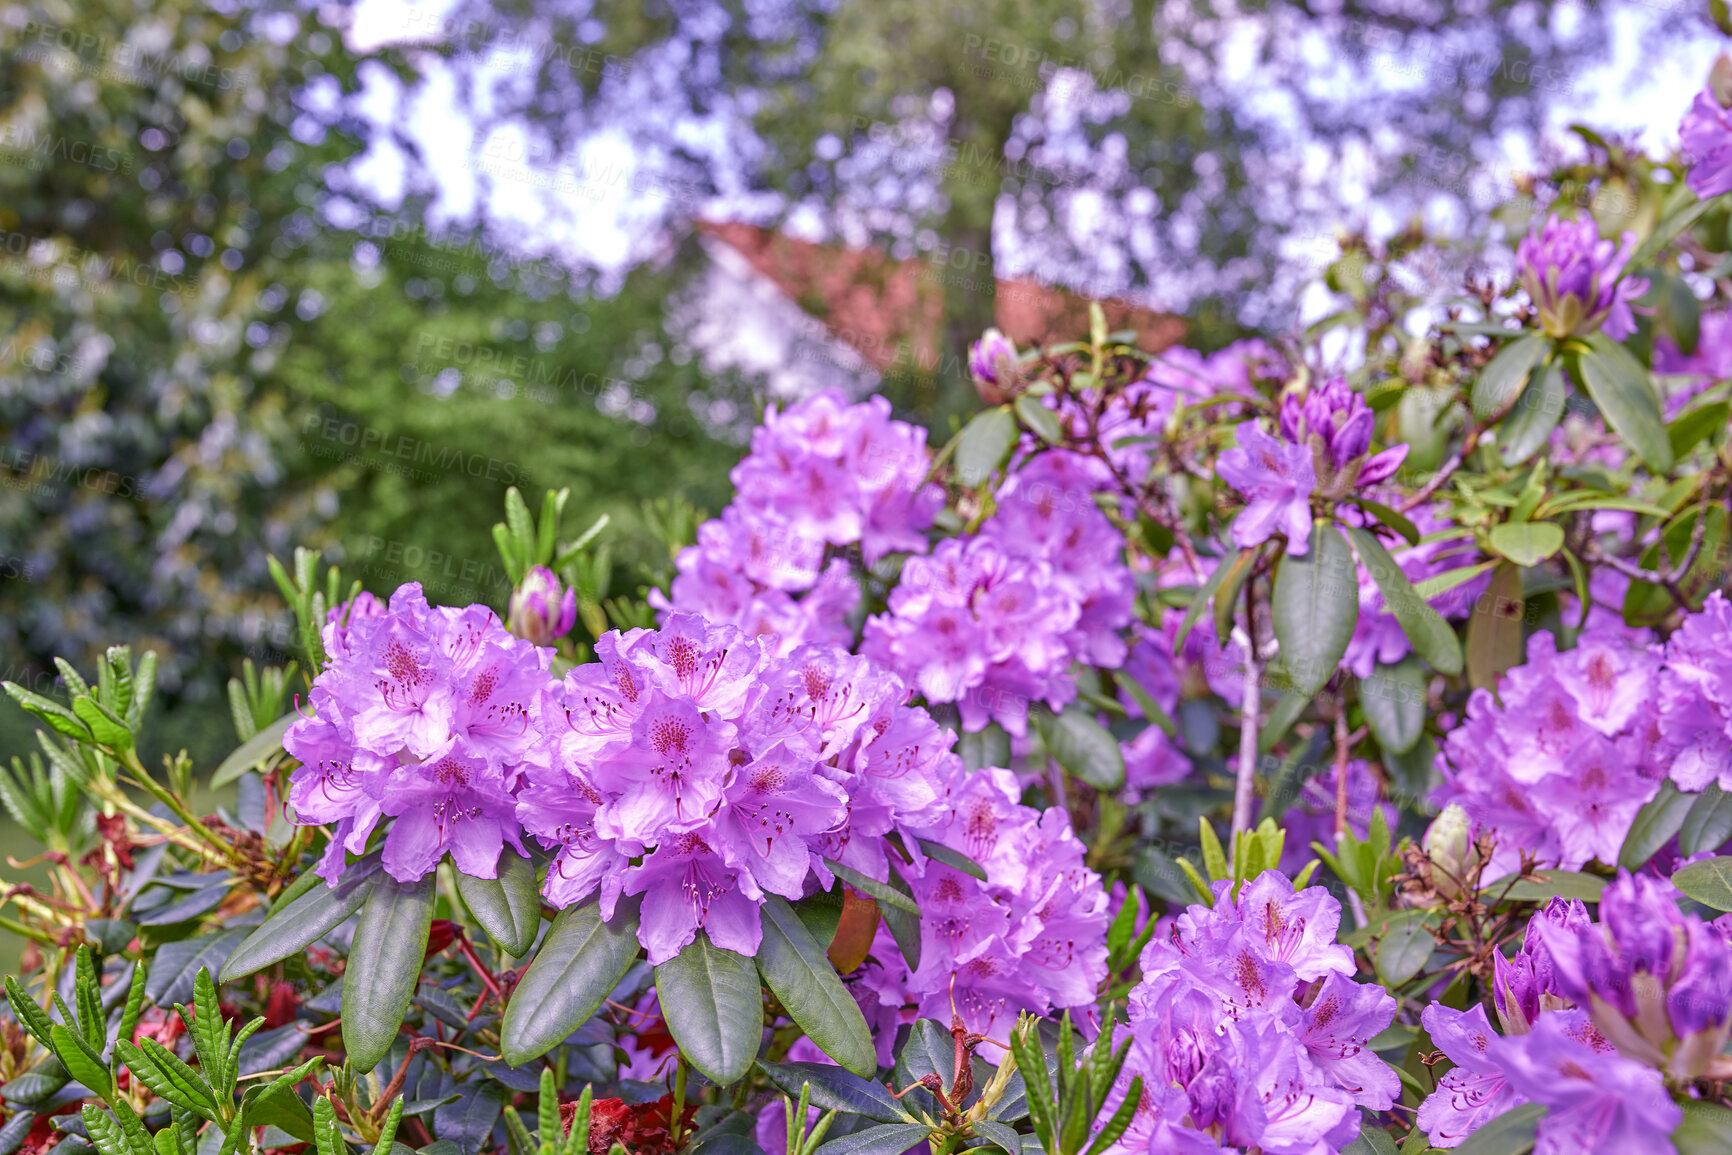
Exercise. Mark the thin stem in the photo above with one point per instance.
(1244, 787)
(1341, 743)
(1444, 472)
(679, 1102)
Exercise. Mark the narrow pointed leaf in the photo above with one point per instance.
(1431, 636)
(303, 922)
(1624, 391)
(263, 745)
(1502, 379)
(883, 892)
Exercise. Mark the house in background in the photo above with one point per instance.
(804, 316)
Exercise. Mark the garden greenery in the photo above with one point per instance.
(895, 822)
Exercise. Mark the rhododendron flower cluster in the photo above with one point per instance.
(995, 622)
(691, 766)
(1250, 1031)
(1597, 1018)
(1031, 937)
(820, 474)
(426, 715)
(1706, 136)
(1695, 702)
(1558, 764)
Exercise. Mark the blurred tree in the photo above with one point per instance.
(198, 320)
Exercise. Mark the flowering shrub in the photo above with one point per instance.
(892, 823)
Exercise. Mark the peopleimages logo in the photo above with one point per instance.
(349, 441)
(124, 62)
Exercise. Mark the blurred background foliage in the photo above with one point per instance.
(221, 340)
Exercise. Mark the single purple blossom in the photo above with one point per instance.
(1474, 1091)
(1598, 1101)
(1706, 137)
(1277, 481)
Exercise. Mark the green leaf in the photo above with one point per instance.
(984, 444)
(1624, 392)
(327, 1137)
(1041, 421)
(1393, 518)
(1315, 607)
(304, 921)
(1668, 230)
(1432, 638)
(882, 892)
(1214, 858)
(1494, 633)
(1535, 415)
(1709, 824)
(508, 907)
(1709, 882)
(1227, 596)
(384, 966)
(1502, 379)
(1393, 699)
(796, 969)
(886, 1139)
(162, 1071)
(1206, 594)
(75, 1055)
(59, 717)
(1706, 1129)
(1004, 1138)
(834, 1089)
(174, 972)
(1527, 543)
(1371, 1140)
(253, 752)
(1404, 948)
(714, 1008)
(954, 859)
(1084, 747)
(1550, 884)
(1444, 582)
(105, 1134)
(28, 1014)
(105, 727)
(1511, 1133)
(1690, 427)
(580, 961)
(929, 1050)
(1654, 825)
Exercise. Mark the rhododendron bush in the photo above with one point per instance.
(1310, 746)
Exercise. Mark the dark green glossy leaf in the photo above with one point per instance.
(1624, 391)
(888, 1139)
(1534, 417)
(1709, 823)
(1654, 825)
(1040, 420)
(1502, 379)
(1545, 885)
(884, 893)
(1494, 633)
(1432, 638)
(834, 1089)
(304, 921)
(1709, 882)
(1706, 1130)
(713, 1005)
(469, 1121)
(1206, 594)
(1404, 949)
(384, 965)
(954, 859)
(984, 444)
(1315, 607)
(1692, 426)
(1393, 699)
(508, 907)
(176, 966)
(1084, 747)
(580, 961)
(795, 968)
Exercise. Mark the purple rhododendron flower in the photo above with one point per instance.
(1475, 1091)
(1250, 1031)
(1598, 1102)
(979, 626)
(1706, 136)
(1560, 768)
(1336, 424)
(1277, 480)
(692, 767)
(426, 715)
(1031, 937)
(1573, 279)
(821, 473)
(1695, 701)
